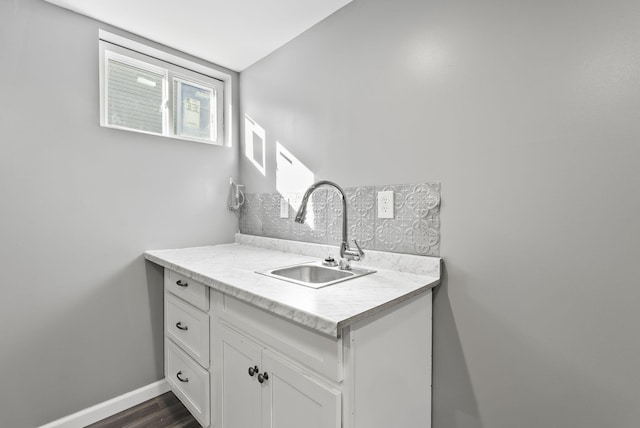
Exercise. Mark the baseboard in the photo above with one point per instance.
(110, 407)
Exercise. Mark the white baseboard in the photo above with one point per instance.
(110, 407)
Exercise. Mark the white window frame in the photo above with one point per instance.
(178, 69)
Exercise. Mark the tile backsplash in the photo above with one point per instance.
(415, 228)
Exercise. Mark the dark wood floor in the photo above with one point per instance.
(164, 411)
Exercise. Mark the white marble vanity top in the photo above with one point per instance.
(230, 268)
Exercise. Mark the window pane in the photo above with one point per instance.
(193, 110)
(134, 97)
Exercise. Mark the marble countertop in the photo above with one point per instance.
(230, 268)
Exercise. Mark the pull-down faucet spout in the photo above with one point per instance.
(345, 251)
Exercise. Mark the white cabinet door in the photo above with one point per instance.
(240, 392)
(292, 399)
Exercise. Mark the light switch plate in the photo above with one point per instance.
(284, 208)
(385, 204)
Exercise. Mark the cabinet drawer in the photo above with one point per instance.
(189, 382)
(188, 327)
(187, 289)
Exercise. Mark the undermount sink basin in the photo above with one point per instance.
(314, 274)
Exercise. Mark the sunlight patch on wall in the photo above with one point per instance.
(255, 144)
(292, 180)
(292, 176)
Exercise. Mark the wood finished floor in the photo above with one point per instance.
(164, 411)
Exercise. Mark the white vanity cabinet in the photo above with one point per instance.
(271, 373)
(246, 351)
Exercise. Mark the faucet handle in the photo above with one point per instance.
(355, 241)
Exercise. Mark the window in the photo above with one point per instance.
(134, 95)
(194, 106)
(143, 93)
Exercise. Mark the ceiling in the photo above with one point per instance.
(231, 33)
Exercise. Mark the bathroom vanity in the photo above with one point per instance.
(245, 350)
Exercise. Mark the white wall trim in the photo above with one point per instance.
(110, 407)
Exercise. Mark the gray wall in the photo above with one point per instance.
(529, 115)
(81, 311)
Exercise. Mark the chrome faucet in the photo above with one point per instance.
(346, 252)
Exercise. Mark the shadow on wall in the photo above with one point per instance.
(155, 286)
(503, 359)
(454, 402)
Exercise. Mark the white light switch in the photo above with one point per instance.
(385, 204)
(284, 208)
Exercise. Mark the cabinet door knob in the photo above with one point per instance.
(180, 378)
(263, 377)
(182, 284)
(181, 327)
(253, 371)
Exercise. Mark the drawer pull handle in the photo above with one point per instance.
(181, 327)
(182, 284)
(263, 376)
(180, 378)
(253, 371)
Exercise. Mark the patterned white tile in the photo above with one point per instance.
(422, 238)
(251, 215)
(334, 217)
(411, 202)
(389, 235)
(361, 216)
(272, 225)
(415, 228)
